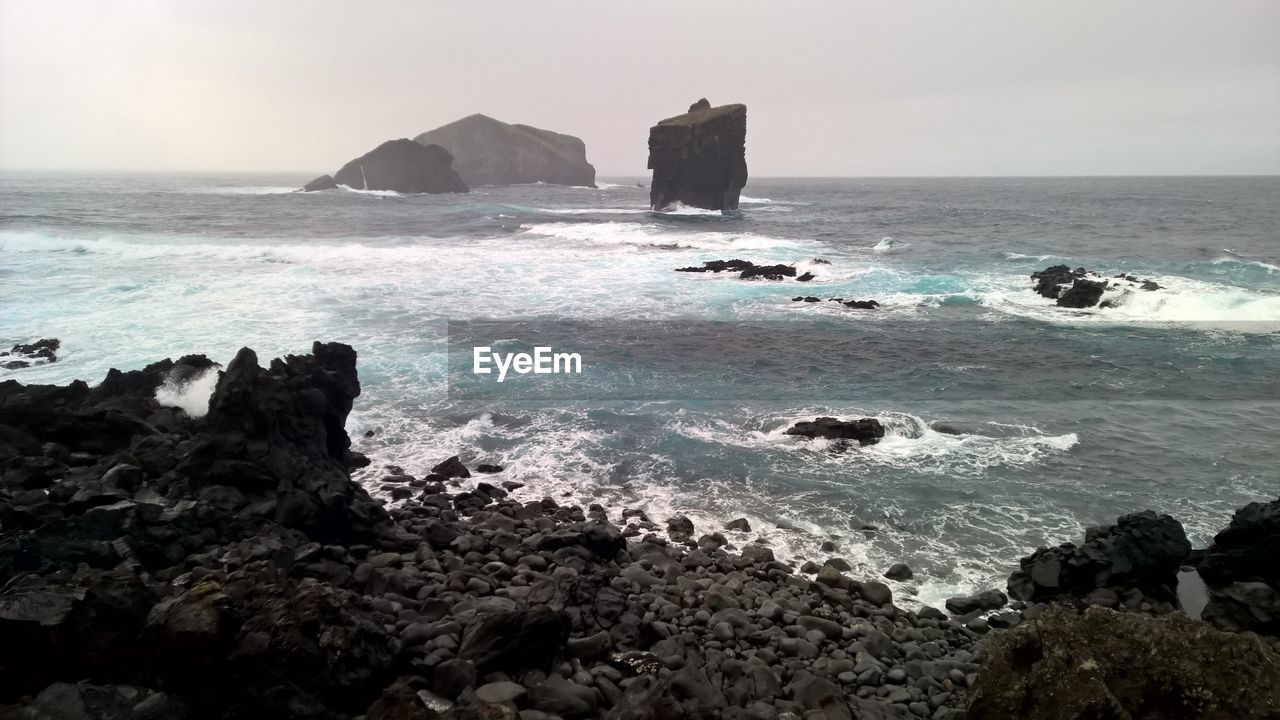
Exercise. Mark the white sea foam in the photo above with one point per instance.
(374, 193)
(652, 235)
(888, 244)
(192, 397)
(1180, 301)
(1020, 256)
(245, 190)
(639, 210)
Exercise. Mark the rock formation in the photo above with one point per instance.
(699, 158)
(490, 152)
(324, 182)
(1134, 561)
(1242, 571)
(1080, 288)
(866, 431)
(25, 355)
(1105, 665)
(402, 166)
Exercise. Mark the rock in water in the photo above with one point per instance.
(867, 431)
(403, 166)
(22, 356)
(490, 152)
(699, 158)
(324, 182)
(1108, 666)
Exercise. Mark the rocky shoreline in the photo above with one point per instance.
(154, 565)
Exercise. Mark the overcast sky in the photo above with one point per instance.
(832, 88)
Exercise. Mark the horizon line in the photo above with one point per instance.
(647, 175)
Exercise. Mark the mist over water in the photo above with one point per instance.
(1169, 403)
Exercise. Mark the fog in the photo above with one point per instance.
(832, 88)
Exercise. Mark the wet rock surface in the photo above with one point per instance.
(866, 431)
(158, 565)
(1079, 288)
(24, 355)
(746, 269)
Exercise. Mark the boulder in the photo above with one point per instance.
(1106, 665)
(324, 182)
(1142, 551)
(1083, 293)
(985, 600)
(699, 158)
(866, 431)
(1242, 574)
(491, 152)
(403, 166)
(514, 639)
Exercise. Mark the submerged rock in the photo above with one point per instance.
(866, 431)
(1105, 665)
(491, 152)
(25, 355)
(403, 166)
(699, 158)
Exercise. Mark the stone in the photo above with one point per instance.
(491, 152)
(503, 691)
(514, 639)
(985, 600)
(699, 158)
(451, 468)
(899, 571)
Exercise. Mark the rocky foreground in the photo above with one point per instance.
(153, 565)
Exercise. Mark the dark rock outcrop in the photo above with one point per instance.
(746, 269)
(1242, 571)
(324, 182)
(1105, 665)
(866, 431)
(490, 152)
(403, 166)
(25, 355)
(1083, 293)
(699, 158)
(1141, 552)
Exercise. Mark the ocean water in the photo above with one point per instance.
(1011, 422)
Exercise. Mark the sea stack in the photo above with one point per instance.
(402, 166)
(491, 152)
(699, 158)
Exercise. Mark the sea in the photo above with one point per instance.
(1011, 423)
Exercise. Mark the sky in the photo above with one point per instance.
(843, 88)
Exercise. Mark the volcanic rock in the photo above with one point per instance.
(490, 152)
(699, 158)
(22, 356)
(1242, 572)
(403, 166)
(866, 431)
(1142, 551)
(1107, 665)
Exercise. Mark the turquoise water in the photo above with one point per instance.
(1056, 419)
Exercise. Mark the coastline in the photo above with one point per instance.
(228, 565)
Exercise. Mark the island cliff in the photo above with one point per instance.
(699, 158)
(403, 166)
(491, 152)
